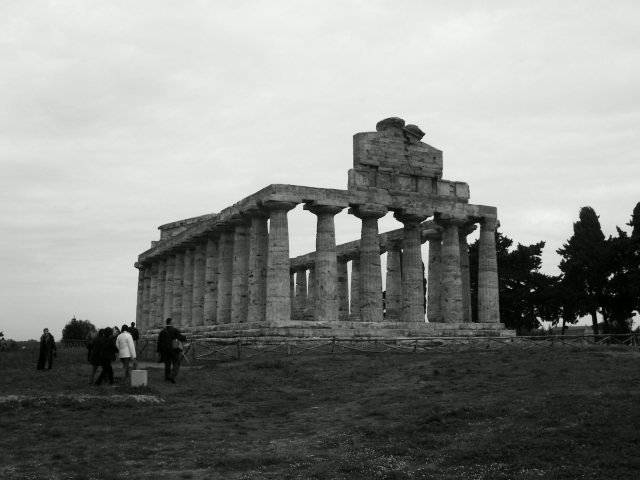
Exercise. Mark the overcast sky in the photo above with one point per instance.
(119, 116)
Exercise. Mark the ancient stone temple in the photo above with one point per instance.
(230, 273)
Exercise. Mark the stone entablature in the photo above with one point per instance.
(234, 267)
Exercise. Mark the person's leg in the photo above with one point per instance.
(175, 360)
(125, 367)
(94, 369)
(110, 373)
(167, 367)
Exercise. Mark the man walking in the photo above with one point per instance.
(169, 348)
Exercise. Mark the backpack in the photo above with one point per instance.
(164, 341)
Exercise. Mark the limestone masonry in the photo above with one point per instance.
(230, 274)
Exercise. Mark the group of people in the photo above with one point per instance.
(107, 344)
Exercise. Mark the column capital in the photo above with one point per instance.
(489, 223)
(410, 217)
(278, 205)
(467, 229)
(256, 211)
(319, 208)
(369, 210)
(446, 220)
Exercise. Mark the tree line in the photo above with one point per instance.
(600, 278)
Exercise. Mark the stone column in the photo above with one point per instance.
(278, 291)
(412, 273)
(168, 288)
(187, 288)
(153, 294)
(370, 273)
(225, 275)
(488, 293)
(354, 313)
(258, 251)
(309, 308)
(199, 269)
(434, 312)
(300, 300)
(451, 277)
(146, 297)
(140, 296)
(393, 297)
(178, 284)
(239, 281)
(343, 289)
(326, 287)
(211, 281)
(162, 278)
(464, 271)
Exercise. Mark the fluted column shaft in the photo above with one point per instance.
(393, 297)
(239, 282)
(343, 290)
(178, 283)
(412, 273)
(354, 312)
(225, 276)
(168, 287)
(258, 251)
(300, 299)
(153, 295)
(434, 312)
(326, 264)
(309, 308)
(451, 276)
(146, 297)
(162, 277)
(187, 288)
(211, 282)
(199, 268)
(465, 271)
(140, 296)
(278, 289)
(488, 291)
(370, 273)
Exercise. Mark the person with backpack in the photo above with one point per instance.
(169, 347)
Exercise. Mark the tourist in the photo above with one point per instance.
(97, 344)
(116, 331)
(91, 337)
(47, 350)
(170, 351)
(105, 351)
(135, 334)
(126, 350)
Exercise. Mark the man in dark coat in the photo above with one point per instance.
(47, 350)
(103, 353)
(170, 352)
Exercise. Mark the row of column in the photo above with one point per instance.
(241, 272)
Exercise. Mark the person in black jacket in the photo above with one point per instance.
(103, 352)
(47, 350)
(170, 350)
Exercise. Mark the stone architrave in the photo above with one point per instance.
(140, 296)
(412, 272)
(465, 271)
(153, 295)
(300, 299)
(162, 278)
(370, 273)
(258, 251)
(434, 312)
(211, 281)
(199, 270)
(326, 264)
(187, 288)
(239, 281)
(278, 288)
(393, 296)
(225, 275)
(343, 290)
(178, 283)
(488, 296)
(354, 312)
(451, 276)
(168, 287)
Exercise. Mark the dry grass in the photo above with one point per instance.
(552, 414)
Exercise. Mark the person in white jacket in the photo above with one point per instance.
(126, 350)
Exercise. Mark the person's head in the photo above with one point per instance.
(168, 322)
(133, 324)
(46, 330)
(124, 328)
(108, 332)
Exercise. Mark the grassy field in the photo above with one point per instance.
(565, 413)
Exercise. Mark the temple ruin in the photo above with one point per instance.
(230, 273)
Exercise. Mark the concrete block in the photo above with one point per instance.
(138, 378)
